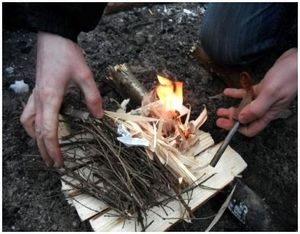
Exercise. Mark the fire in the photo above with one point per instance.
(170, 93)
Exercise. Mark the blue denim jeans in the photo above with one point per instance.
(237, 34)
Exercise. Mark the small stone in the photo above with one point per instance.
(75, 224)
(151, 38)
(202, 10)
(19, 87)
(188, 12)
(54, 227)
(139, 38)
(10, 70)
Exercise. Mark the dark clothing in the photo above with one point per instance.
(237, 34)
(231, 33)
(65, 19)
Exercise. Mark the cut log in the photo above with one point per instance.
(126, 84)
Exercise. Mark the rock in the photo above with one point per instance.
(140, 38)
(75, 224)
(151, 38)
(19, 87)
(189, 12)
(54, 227)
(10, 70)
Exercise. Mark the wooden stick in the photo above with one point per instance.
(126, 84)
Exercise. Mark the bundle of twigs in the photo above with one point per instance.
(124, 178)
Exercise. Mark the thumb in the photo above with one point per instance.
(255, 127)
(255, 109)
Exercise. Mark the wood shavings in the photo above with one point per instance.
(168, 136)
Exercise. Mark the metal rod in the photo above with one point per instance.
(224, 145)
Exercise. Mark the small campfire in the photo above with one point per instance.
(134, 162)
(158, 122)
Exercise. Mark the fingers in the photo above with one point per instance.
(226, 112)
(226, 122)
(249, 130)
(28, 116)
(32, 121)
(43, 151)
(46, 125)
(234, 93)
(50, 127)
(91, 93)
(226, 118)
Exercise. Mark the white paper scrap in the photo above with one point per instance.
(126, 138)
(124, 104)
(133, 141)
(9, 70)
(121, 130)
(188, 12)
(19, 87)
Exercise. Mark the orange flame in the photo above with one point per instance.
(170, 93)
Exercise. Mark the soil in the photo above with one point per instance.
(150, 39)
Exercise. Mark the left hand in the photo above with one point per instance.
(59, 62)
(272, 95)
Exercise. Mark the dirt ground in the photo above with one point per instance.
(152, 38)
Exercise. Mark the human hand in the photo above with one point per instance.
(59, 61)
(272, 95)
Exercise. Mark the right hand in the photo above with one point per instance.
(59, 61)
(272, 95)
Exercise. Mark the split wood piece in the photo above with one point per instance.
(205, 141)
(86, 206)
(129, 117)
(126, 84)
(197, 123)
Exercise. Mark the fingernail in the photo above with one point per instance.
(242, 118)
